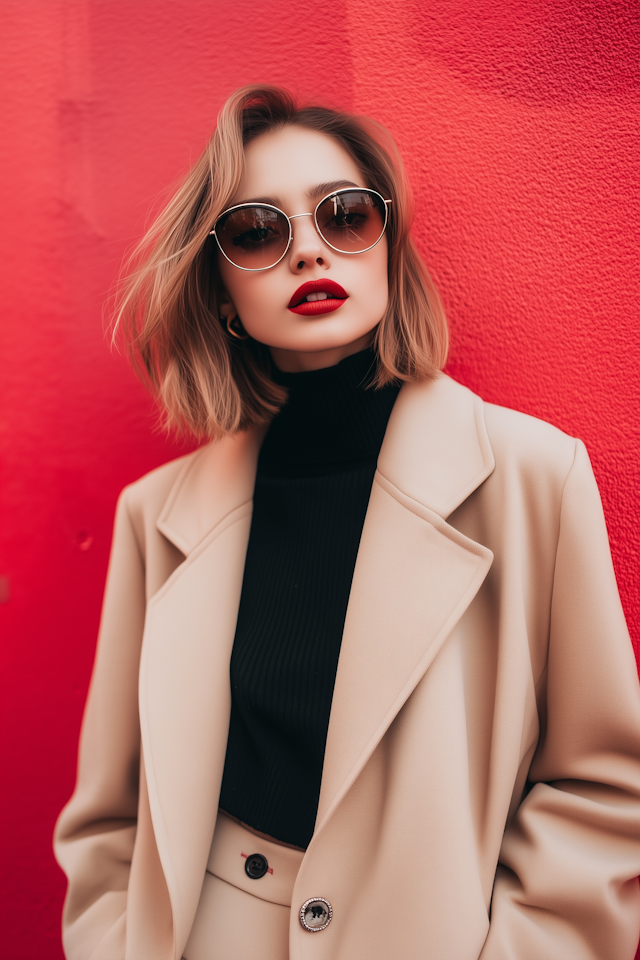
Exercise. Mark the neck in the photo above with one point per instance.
(332, 419)
(301, 361)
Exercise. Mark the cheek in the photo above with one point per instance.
(259, 300)
(251, 293)
(374, 281)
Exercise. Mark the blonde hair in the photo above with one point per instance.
(167, 309)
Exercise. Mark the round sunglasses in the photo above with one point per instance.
(256, 236)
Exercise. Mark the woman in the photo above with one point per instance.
(363, 686)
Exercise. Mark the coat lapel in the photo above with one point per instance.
(415, 574)
(184, 674)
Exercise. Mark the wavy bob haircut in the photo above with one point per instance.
(206, 381)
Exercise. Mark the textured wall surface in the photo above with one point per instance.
(518, 122)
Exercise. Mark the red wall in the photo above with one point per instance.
(518, 122)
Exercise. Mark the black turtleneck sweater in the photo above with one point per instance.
(313, 483)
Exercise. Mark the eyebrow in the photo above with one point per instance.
(319, 190)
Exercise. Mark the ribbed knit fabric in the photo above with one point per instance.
(313, 484)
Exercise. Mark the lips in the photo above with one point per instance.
(334, 297)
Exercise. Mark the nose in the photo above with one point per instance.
(307, 248)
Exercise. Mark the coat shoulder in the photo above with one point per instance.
(528, 443)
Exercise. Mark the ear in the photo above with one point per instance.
(226, 306)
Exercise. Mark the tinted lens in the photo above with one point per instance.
(351, 220)
(253, 237)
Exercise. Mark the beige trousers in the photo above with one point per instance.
(240, 917)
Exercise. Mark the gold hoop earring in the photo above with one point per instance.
(235, 328)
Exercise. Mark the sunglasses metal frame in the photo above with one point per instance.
(270, 206)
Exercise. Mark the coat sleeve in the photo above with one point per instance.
(566, 886)
(95, 833)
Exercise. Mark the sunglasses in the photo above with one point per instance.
(256, 236)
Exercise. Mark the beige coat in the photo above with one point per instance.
(481, 787)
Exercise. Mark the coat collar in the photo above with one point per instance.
(435, 453)
(436, 450)
(214, 481)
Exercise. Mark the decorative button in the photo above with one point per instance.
(256, 866)
(316, 914)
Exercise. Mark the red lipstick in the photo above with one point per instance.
(334, 297)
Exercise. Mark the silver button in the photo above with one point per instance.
(316, 914)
